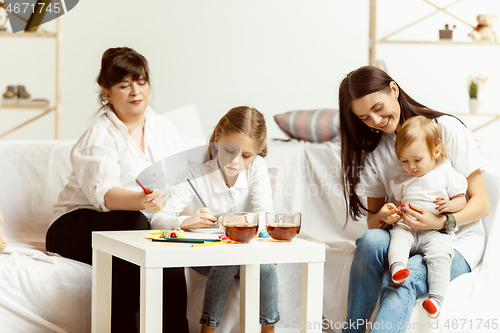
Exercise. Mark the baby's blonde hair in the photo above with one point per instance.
(420, 128)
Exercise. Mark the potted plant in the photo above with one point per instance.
(474, 83)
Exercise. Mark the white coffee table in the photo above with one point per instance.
(152, 257)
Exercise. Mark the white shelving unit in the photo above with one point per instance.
(58, 79)
(374, 43)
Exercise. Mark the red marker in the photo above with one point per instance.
(143, 188)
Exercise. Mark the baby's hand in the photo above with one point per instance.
(389, 213)
(442, 204)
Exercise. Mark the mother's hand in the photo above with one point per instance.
(421, 219)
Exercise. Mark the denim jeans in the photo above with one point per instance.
(370, 278)
(220, 280)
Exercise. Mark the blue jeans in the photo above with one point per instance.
(220, 280)
(370, 278)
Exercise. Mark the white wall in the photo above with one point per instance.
(275, 55)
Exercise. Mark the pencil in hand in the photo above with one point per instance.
(143, 188)
(197, 194)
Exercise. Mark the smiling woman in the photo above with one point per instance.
(372, 109)
(370, 103)
(381, 106)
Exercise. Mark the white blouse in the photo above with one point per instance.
(251, 193)
(382, 166)
(106, 156)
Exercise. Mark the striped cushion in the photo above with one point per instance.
(310, 125)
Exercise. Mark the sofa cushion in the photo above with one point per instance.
(310, 125)
(34, 174)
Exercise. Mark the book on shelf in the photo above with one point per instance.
(25, 102)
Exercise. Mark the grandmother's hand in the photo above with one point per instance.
(152, 202)
(420, 218)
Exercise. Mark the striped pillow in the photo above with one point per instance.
(310, 125)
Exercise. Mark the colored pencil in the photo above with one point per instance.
(184, 240)
(143, 188)
(178, 240)
(196, 192)
(212, 243)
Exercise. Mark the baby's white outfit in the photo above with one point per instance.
(436, 247)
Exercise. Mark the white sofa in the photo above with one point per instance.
(42, 292)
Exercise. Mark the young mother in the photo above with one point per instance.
(102, 194)
(372, 108)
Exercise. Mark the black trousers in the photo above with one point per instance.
(71, 237)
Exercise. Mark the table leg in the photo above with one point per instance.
(102, 264)
(249, 298)
(151, 318)
(311, 297)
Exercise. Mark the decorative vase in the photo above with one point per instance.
(474, 105)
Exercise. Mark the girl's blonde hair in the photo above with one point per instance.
(243, 120)
(420, 128)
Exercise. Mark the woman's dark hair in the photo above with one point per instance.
(117, 64)
(357, 139)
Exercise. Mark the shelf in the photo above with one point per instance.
(43, 113)
(42, 110)
(436, 42)
(374, 40)
(477, 114)
(28, 107)
(496, 116)
(28, 34)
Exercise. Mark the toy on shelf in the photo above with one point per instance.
(483, 31)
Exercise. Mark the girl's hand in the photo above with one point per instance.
(442, 204)
(152, 201)
(202, 218)
(420, 218)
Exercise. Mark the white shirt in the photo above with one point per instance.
(251, 193)
(442, 181)
(382, 165)
(106, 156)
